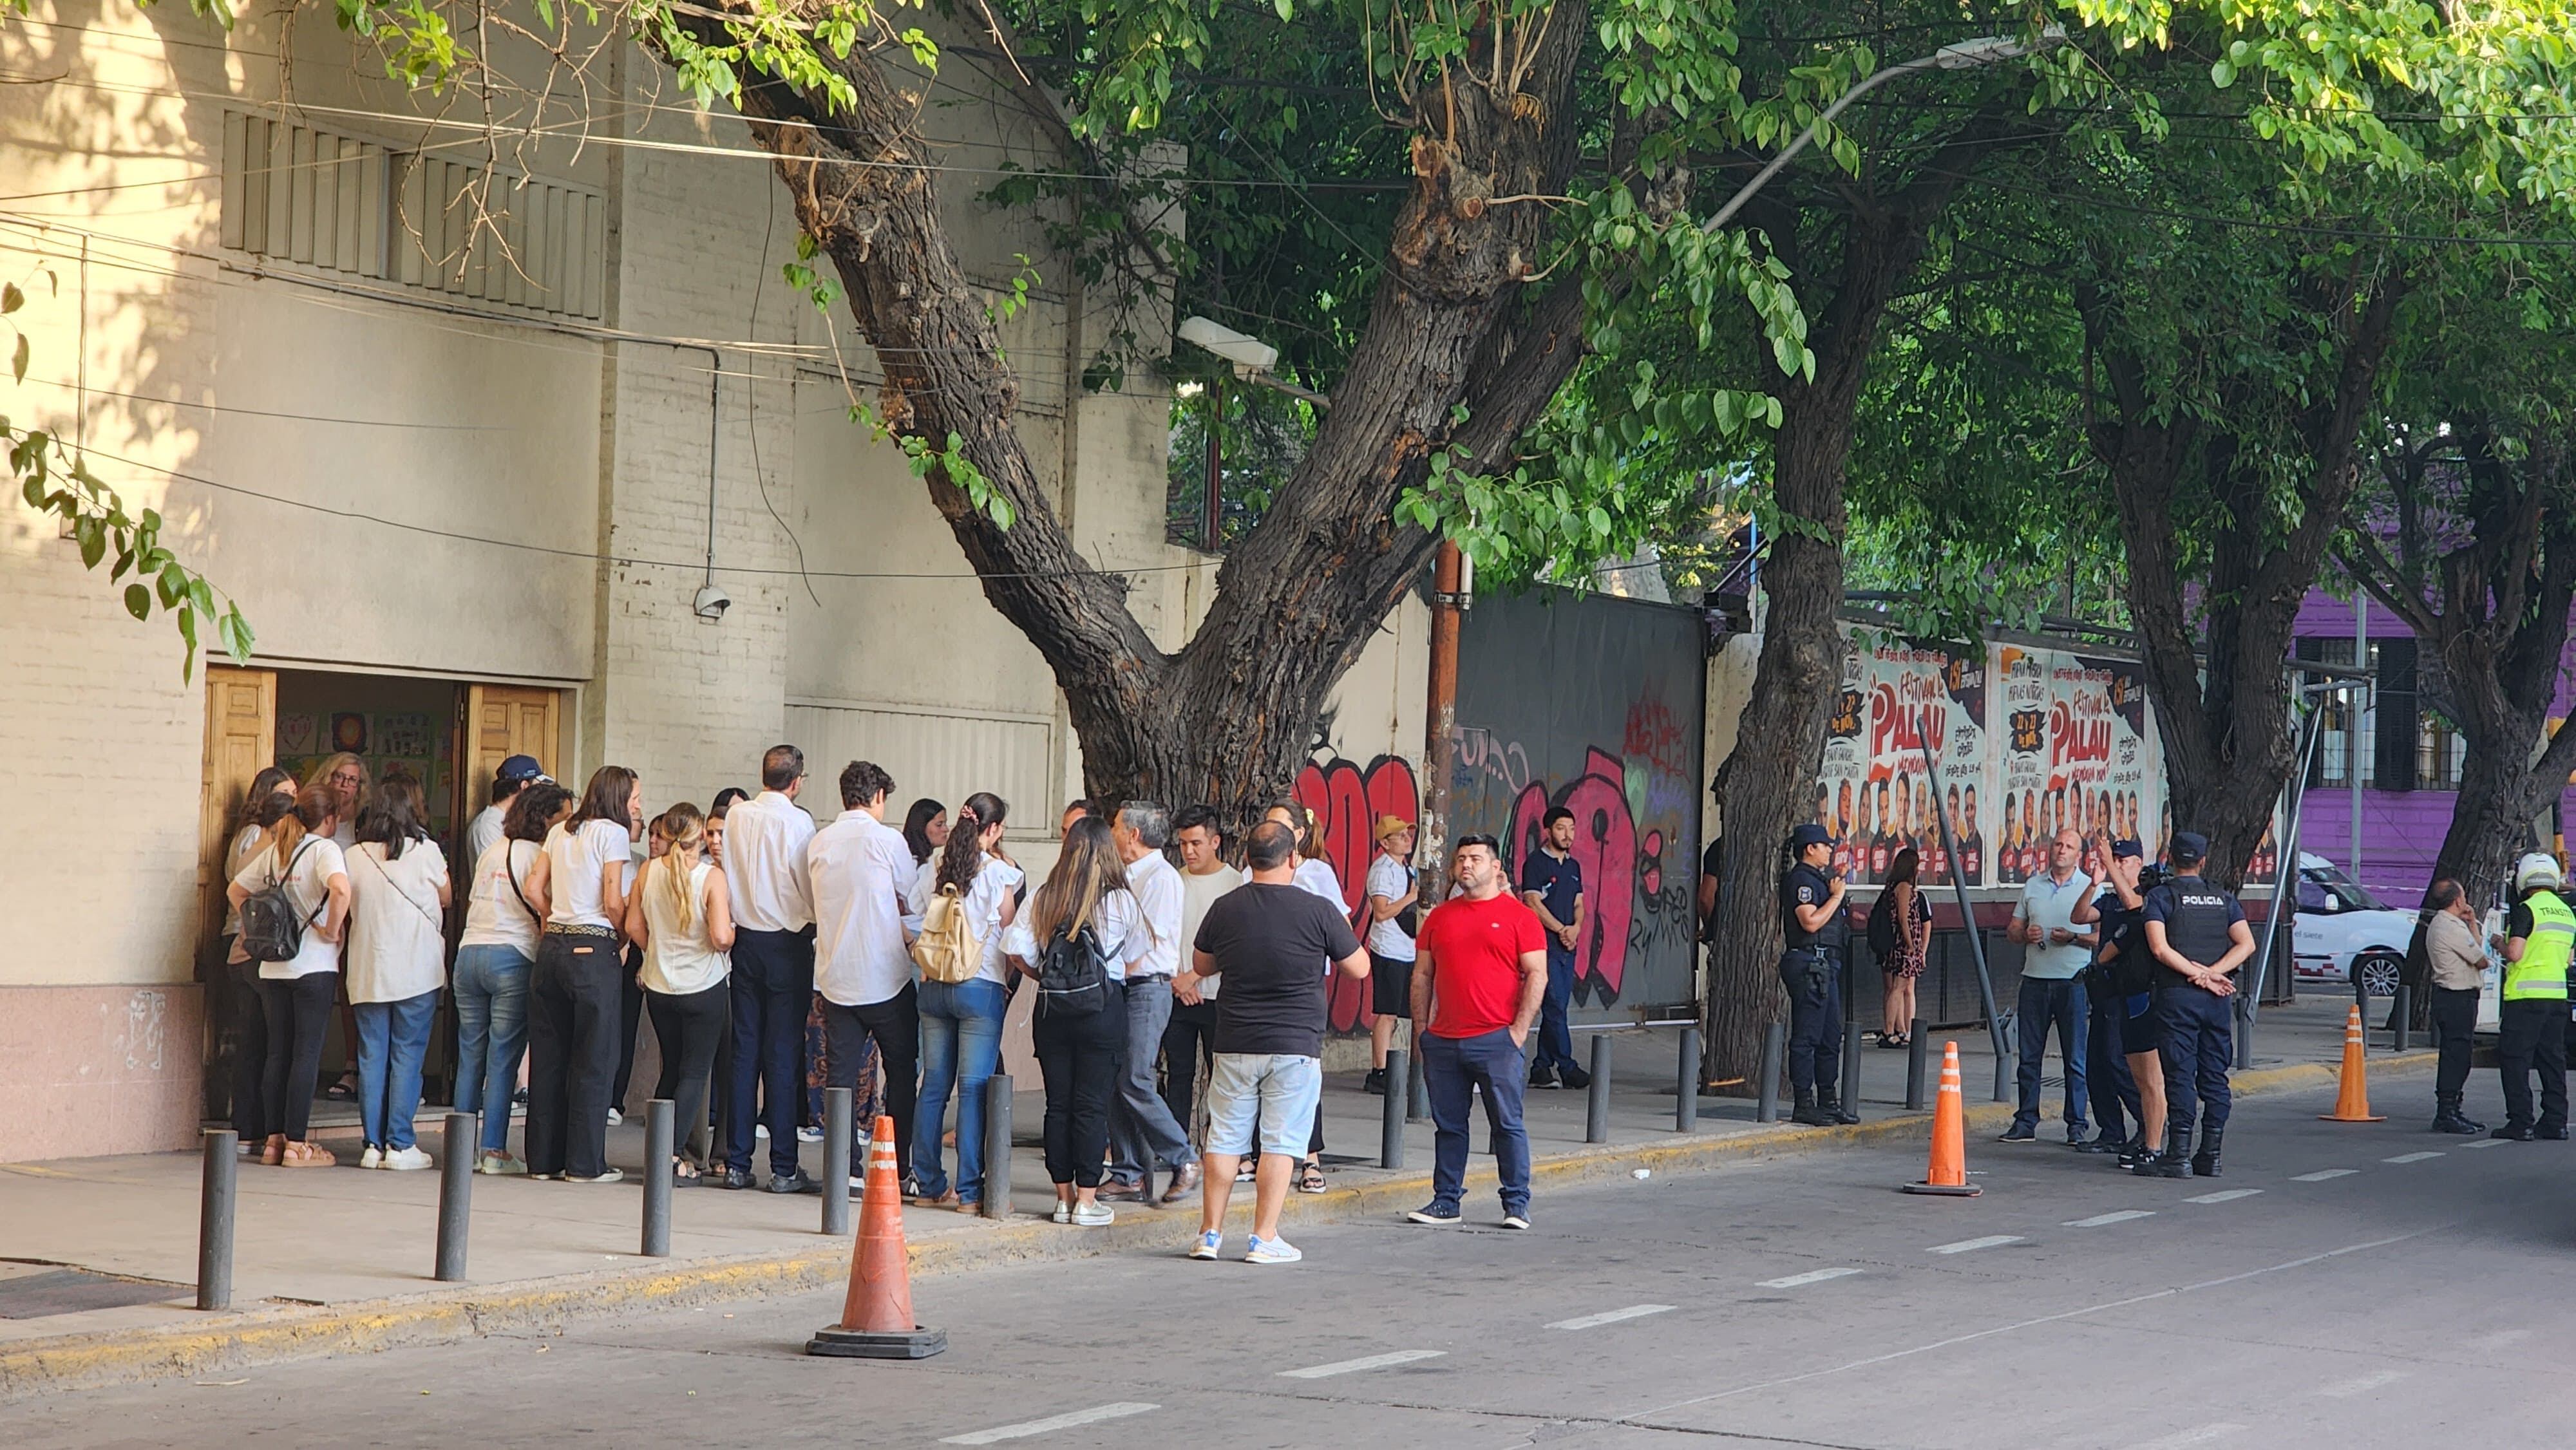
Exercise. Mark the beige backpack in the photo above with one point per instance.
(946, 950)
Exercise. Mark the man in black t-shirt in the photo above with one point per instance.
(1274, 944)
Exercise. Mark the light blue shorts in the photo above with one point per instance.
(1278, 1092)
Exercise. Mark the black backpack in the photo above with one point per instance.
(1073, 980)
(272, 930)
(1882, 923)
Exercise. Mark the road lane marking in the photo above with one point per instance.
(2486, 1143)
(2363, 1385)
(1611, 1316)
(1052, 1423)
(2322, 1174)
(1800, 1281)
(2410, 1157)
(1964, 1246)
(2225, 1195)
(2122, 1216)
(2196, 1435)
(1354, 1366)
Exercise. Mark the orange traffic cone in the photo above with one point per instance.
(1948, 1173)
(876, 1318)
(2352, 1104)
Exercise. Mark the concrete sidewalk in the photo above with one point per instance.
(335, 1259)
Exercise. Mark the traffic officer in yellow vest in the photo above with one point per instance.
(2531, 1028)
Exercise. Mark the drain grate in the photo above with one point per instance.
(35, 1291)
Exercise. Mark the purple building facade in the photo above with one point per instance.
(2406, 754)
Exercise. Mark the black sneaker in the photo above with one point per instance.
(2018, 1133)
(795, 1182)
(1577, 1079)
(736, 1179)
(2555, 1133)
(1375, 1082)
(2103, 1144)
(1542, 1077)
(2513, 1132)
(1439, 1213)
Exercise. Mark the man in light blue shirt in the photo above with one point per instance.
(2054, 951)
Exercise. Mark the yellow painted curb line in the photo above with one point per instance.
(274, 1334)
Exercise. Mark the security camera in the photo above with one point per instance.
(711, 603)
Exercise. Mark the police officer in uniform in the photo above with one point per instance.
(2198, 936)
(2531, 1021)
(2115, 917)
(1811, 921)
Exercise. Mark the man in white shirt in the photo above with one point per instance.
(1392, 894)
(513, 776)
(1189, 1042)
(859, 867)
(1143, 1134)
(773, 970)
(2054, 950)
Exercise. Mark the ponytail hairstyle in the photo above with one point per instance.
(313, 805)
(391, 817)
(687, 831)
(1302, 820)
(271, 780)
(604, 799)
(962, 859)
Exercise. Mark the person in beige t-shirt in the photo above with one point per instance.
(2456, 965)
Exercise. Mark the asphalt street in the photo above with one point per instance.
(2343, 1285)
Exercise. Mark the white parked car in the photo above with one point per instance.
(2346, 934)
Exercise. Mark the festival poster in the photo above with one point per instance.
(2021, 703)
(2133, 784)
(1874, 795)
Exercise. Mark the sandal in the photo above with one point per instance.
(1310, 1179)
(273, 1150)
(345, 1090)
(306, 1155)
(684, 1174)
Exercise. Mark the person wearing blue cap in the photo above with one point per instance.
(515, 775)
(2199, 938)
(2117, 971)
(1811, 909)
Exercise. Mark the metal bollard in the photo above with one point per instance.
(2005, 1067)
(215, 1221)
(838, 1105)
(1851, 1064)
(1686, 1083)
(659, 1120)
(1766, 1098)
(1918, 1061)
(1417, 1090)
(1390, 1128)
(2401, 1019)
(456, 1195)
(997, 1146)
(1596, 1106)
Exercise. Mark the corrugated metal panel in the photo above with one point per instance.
(944, 756)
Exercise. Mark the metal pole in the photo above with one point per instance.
(1851, 1036)
(838, 1105)
(1417, 1091)
(1766, 1097)
(1212, 524)
(2353, 703)
(1967, 909)
(1686, 1082)
(456, 1194)
(658, 1119)
(1390, 1127)
(1918, 1051)
(2287, 872)
(997, 1145)
(2398, 1021)
(2004, 1068)
(215, 1202)
(1596, 1105)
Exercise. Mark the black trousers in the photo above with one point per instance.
(773, 989)
(298, 1012)
(1189, 1040)
(2455, 1018)
(689, 1026)
(630, 1013)
(1815, 1018)
(2533, 1033)
(895, 1023)
(1079, 1058)
(572, 1053)
(249, 1022)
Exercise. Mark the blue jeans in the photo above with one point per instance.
(1555, 1038)
(956, 1017)
(393, 1037)
(773, 990)
(2106, 1069)
(1451, 1066)
(491, 1035)
(2047, 1003)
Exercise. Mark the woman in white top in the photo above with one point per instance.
(580, 884)
(297, 994)
(398, 898)
(1078, 1055)
(964, 1017)
(682, 916)
(494, 957)
(1316, 877)
(271, 796)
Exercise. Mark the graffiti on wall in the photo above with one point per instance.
(1347, 798)
(1637, 876)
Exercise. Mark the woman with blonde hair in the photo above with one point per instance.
(1083, 907)
(302, 860)
(682, 917)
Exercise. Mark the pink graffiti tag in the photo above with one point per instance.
(1348, 799)
(1605, 845)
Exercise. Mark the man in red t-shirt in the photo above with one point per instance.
(1478, 981)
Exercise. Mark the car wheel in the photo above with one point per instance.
(2378, 972)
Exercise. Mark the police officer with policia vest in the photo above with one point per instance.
(2198, 936)
(2531, 1018)
(1811, 923)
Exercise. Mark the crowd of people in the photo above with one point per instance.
(1180, 1000)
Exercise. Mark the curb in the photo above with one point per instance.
(278, 1334)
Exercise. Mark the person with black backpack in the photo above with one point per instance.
(1081, 930)
(293, 899)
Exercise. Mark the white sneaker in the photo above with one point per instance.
(615, 1117)
(1093, 1215)
(1063, 1212)
(1210, 1245)
(760, 1130)
(809, 1135)
(374, 1157)
(858, 1185)
(1516, 1220)
(408, 1160)
(1272, 1251)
